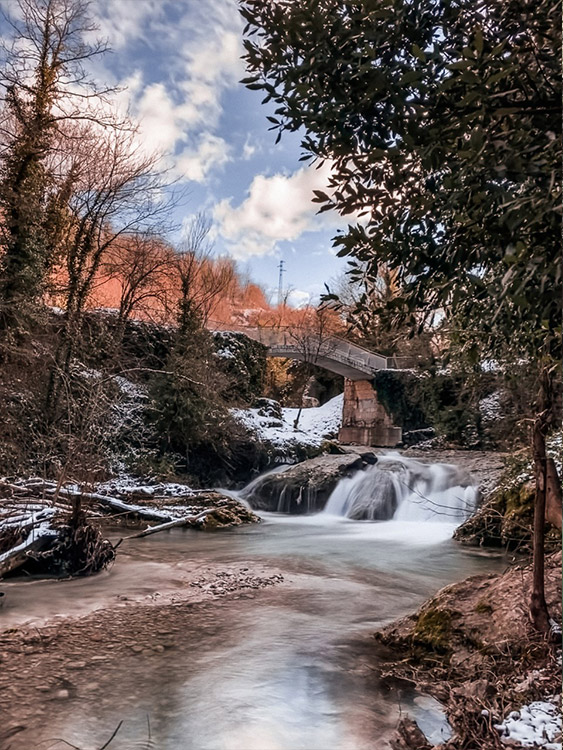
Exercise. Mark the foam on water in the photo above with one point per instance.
(405, 489)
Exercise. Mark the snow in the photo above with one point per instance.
(316, 424)
(535, 725)
(126, 485)
(44, 529)
(490, 407)
(225, 354)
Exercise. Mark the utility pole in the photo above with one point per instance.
(280, 283)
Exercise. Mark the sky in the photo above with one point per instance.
(179, 66)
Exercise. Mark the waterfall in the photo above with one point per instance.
(404, 489)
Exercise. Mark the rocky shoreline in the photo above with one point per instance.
(466, 647)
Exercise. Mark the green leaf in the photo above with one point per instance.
(411, 76)
(418, 53)
(478, 41)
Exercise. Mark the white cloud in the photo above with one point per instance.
(299, 298)
(211, 152)
(195, 49)
(249, 149)
(278, 208)
(120, 22)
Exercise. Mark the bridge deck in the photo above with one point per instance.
(332, 353)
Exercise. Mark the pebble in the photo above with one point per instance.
(76, 665)
(62, 694)
(136, 648)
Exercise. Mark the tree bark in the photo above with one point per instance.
(538, 606)
(553, 499)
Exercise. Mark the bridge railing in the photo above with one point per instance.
(327, 353)
(335, 347)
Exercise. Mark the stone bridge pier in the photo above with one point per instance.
(364, 419)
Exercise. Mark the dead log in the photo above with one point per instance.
(19, 555)
(116, 505)
(170, 524)
(21, 522)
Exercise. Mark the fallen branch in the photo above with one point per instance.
(21, 522)
(170, 524)
(116, 505)
(14, 558)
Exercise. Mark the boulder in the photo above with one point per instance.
(305, 487)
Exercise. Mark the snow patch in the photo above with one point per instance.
(316, 424)
(490, 407)
(535, 725)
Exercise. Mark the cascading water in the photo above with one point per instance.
(404, 489)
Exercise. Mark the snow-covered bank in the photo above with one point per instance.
(535, 725)
(273, 426)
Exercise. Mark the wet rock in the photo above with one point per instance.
(305, 487)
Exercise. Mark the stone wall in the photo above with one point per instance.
(364, 419)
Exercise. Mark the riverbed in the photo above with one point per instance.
(255, 638)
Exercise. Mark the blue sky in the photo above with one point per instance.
(179, 63)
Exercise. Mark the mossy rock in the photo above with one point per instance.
(504, 520)
(433, 630)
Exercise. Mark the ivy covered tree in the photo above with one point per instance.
(44, 86)
(441, 120)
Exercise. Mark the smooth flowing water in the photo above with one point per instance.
(406, 490)
(291, 670)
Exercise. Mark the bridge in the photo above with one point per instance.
(364, 419)
(329, 352)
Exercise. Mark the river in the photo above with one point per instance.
(290, 667)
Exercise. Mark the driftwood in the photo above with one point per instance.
(19, 555)
(116, 505)
(170, 524)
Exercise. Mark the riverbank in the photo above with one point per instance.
(472, 646)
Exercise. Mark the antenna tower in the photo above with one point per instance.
(280, 283)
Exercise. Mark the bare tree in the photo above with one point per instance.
(203, 281)
(142, 266)
(313, 337)
(117, 191)
(44, 85)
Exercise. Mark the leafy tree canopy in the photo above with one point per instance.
(441, 120)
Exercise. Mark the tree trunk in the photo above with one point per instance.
(553, 495)
(538, 607)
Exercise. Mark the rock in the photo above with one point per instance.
(410, 737)
(267, 407)
(76, 665)
(62, 695)
(305, 487)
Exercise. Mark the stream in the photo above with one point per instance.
(291, 670)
